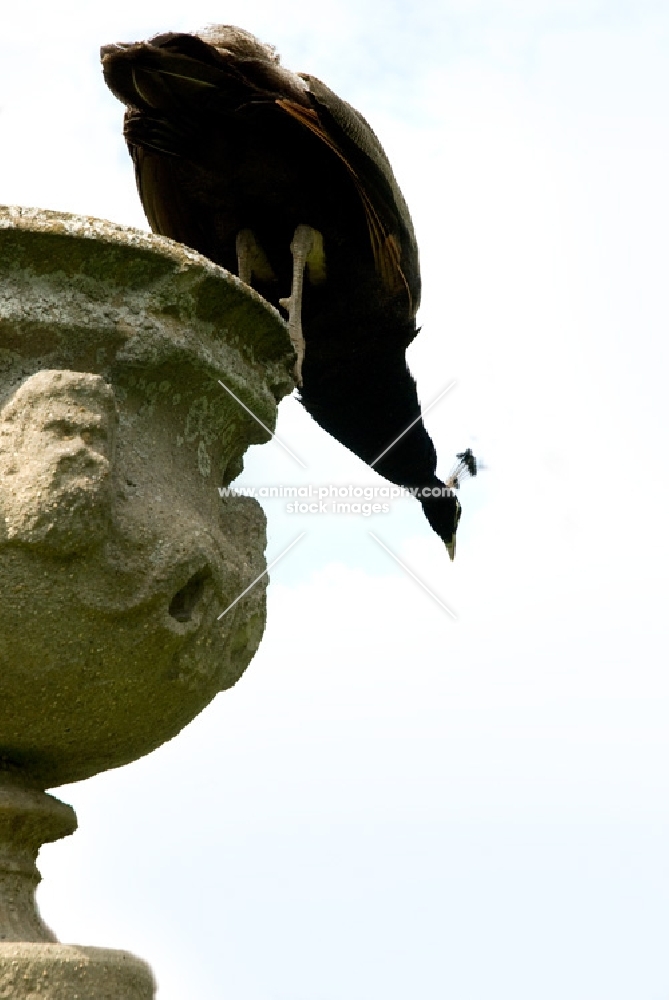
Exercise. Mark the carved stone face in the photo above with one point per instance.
(109, 642)
(57, 438)
(117, 554)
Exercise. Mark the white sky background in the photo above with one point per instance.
(391, 803)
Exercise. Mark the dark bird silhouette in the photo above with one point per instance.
(271, 175)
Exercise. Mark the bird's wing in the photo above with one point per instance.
(391, 230)
(166, 74)
(154, 144)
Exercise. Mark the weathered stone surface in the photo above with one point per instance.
(116, 552)
(28, 818)
(68, 972)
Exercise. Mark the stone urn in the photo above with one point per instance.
(134, 374)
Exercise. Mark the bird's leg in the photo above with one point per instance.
(251, 259)
(307, 250)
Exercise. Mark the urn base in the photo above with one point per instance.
(36, 971)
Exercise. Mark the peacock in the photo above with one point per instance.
(273, 176)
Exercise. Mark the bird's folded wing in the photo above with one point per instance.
(384, 241)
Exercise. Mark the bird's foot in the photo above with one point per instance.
(307, 250)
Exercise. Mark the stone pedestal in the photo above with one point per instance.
(28, 818)
(68, 972)
(117, 555)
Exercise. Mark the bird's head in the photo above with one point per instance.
(443, 510)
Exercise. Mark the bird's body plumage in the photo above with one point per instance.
(226, 141)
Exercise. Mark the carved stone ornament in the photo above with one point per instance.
(117, 553)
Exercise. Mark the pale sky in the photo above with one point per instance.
(392, 803)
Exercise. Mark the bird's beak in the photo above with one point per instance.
(451, 548)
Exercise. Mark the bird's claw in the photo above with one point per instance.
(304, 242)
